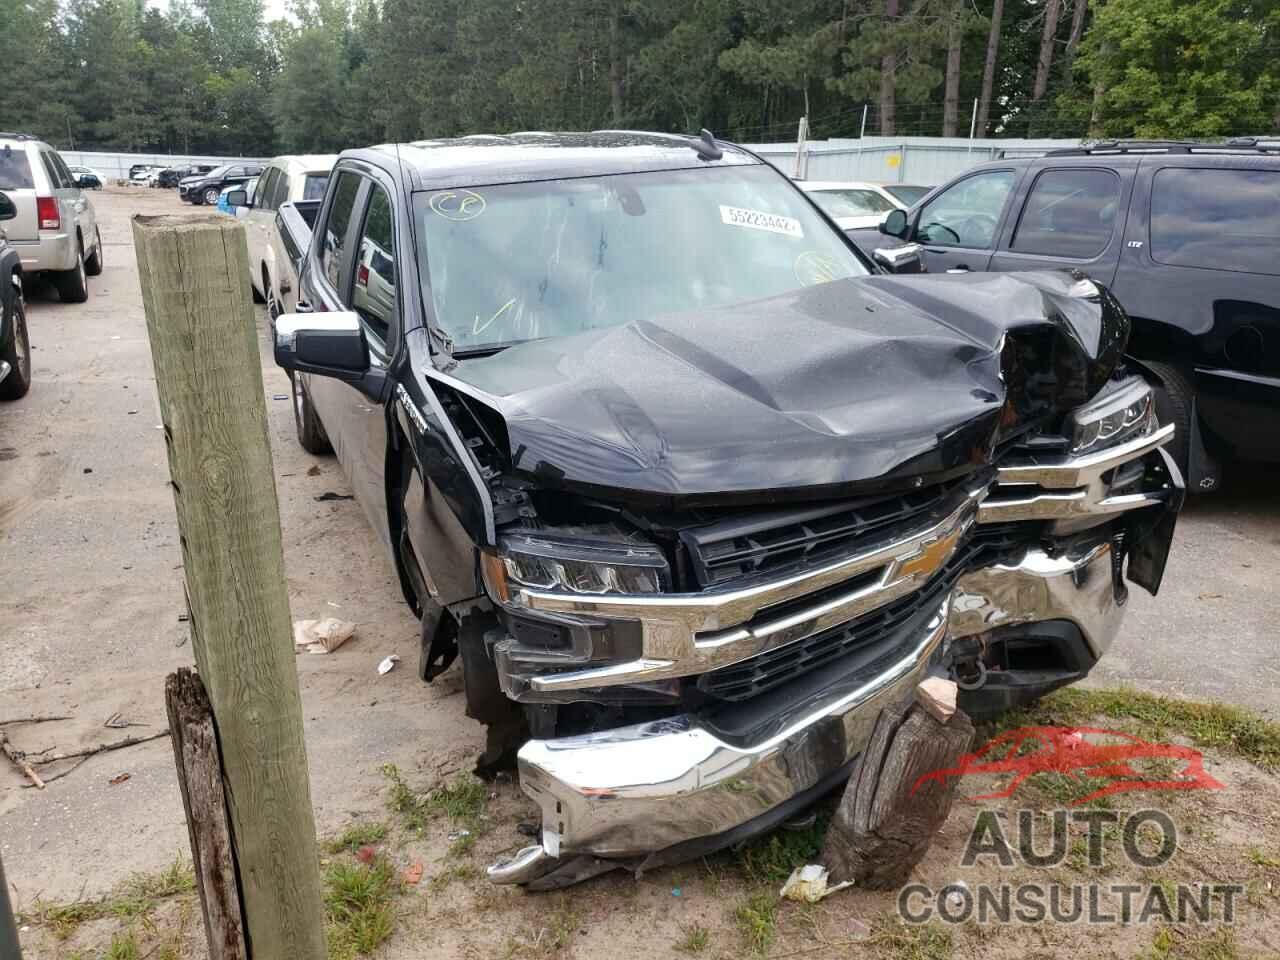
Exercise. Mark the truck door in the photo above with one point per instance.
(1072, 217)
(957, 229)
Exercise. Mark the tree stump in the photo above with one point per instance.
(882, 829)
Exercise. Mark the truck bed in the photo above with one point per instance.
(294, 224)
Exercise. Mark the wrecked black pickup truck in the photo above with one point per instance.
(690, 489)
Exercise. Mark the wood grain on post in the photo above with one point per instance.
(195, 291)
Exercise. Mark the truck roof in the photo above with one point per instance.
(522, 157)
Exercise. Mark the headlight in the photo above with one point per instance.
(534, 562)
(1122, 414)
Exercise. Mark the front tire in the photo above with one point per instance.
(211, 196)
(306, 421)
(1173, 399)
(93, 266)
(73, 284)
(18, 355)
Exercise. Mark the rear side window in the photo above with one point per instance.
(263, 199)
(314, 187)
(15, 170)
(335, 228)
(1218, 219)
(1069, 213)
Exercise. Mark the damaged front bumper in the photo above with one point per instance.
(661, 792)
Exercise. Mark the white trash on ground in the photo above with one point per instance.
(809, 883)
(321, 636)
(388, 663)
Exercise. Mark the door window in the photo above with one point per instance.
(1219, 219)
(263, 200)
(281, 191)
(335, 228)
(1069, 213)
(373, 295)
(967, 214)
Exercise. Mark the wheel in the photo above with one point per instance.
(311, 433)
(73, 285)
(211, 196)
(17, 355)
(273, 302)
(253, 289)
(93, 266)
(1173, 397)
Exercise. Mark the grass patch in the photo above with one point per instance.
(757, 919)
(549, 940)
(462, 801)
(135, 897)
(358, 907)
(1230, 729)
(357, 835)
(695, 939)
(902, 942)
(1173, 943)
(1260, 859)
(124, 946)
(771, 859)
(458, 871)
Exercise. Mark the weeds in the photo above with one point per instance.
(772, 858)
(133, 898)
(358, 907)
(1260, 859)
(123, 947)
(695, 939)
(1172, 943)
(462, 801)
(902, 942)
(357, 835)
(1231, 729)
(757, 919)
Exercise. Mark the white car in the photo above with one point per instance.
(283, 180)
(79, 172)
(857, 205)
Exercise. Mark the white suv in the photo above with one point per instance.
(55, 231)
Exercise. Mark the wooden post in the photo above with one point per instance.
(195, 291)
(195, 752)
(883, 826)
(10, 949)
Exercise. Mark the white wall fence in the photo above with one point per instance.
(115, 166)
(926, 161)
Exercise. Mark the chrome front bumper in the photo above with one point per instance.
(639, 789)
(623, 794)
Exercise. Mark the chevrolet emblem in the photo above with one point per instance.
(933, 554)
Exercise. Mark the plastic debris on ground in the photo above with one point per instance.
(388, 664)
(322, 636)
(809, 884)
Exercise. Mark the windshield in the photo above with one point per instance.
(906, 194)
(851, 202)
(529, 260)
(217, 172)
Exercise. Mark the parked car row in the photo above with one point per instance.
(1187, 238)
(205, 187)
(688, 485)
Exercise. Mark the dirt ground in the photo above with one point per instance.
(90, 622)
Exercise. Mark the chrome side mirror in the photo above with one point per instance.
(324, 344)
(908, 258)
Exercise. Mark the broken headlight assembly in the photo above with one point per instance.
(570, 565)
(1117, 415)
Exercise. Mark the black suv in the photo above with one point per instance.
(170, 176)
(1186, 235)
(205, 188)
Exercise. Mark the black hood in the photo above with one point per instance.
(830, 389)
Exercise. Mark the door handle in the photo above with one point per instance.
(958, 268)
(303, 307)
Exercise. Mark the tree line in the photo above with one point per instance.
(215, 76)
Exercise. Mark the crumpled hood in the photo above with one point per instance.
(830, 388)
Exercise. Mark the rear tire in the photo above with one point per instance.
(1173, 398)
(18, 355)
(93, 266)
(310, 430)
(211, 196)
(73, 285)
